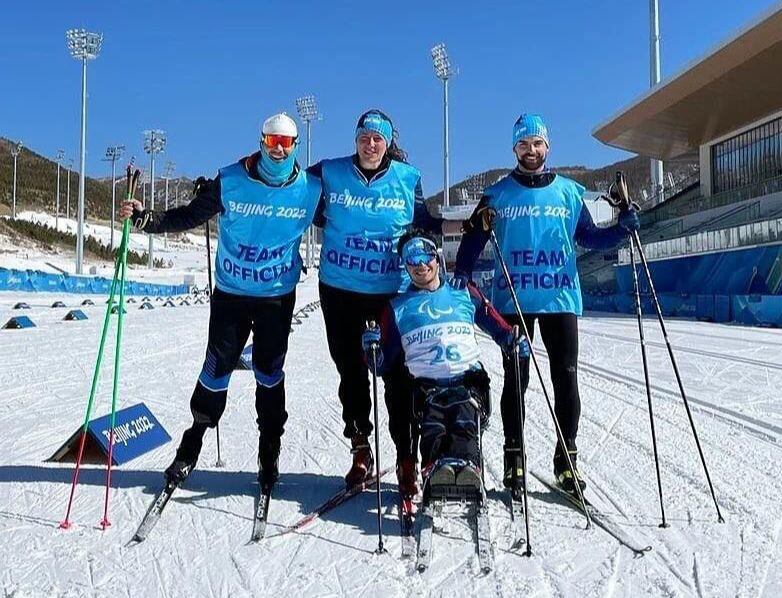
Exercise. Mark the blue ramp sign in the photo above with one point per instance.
(136, 431)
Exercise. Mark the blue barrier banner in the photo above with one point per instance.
(735, 272)
(35, 280)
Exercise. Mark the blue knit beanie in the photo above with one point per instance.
(528, 125)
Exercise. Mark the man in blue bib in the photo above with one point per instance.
(432, 326)
(539, 217)
(265, 203)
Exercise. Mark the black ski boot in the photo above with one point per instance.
(186, 455)
(268, 463)
(513, 478)
(562, 471)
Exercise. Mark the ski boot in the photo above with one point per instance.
(562, 471)
(469, 477)
(407, 476)
(186, 455)
(513, 478)
(268, 464)
(363, 461)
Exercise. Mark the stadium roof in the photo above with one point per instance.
(733, 85)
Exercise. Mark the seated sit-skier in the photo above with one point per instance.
(432, 326)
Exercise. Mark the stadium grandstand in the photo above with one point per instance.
(714, 242)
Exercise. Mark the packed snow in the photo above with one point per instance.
(200, 546)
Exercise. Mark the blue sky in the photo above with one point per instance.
(208, 73)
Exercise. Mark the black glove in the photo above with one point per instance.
(140, 218)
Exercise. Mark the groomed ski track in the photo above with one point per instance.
(200, 546)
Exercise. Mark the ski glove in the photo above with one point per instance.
(629, 220)
(140, 218)
(459, 281)
(515, 337)
(371, 338)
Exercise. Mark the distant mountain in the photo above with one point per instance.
(36, 185)
(636, 170)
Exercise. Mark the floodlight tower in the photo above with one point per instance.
(170, 166)
(113, 153)
(83, 45)
(307, 108)
(444, 71)
(58, 159)
(68, 190)
(154, 143)
(15, 149)
(654, 79)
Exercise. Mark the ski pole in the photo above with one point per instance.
(219, 462)
(521, 414)
(619, 196)
(639, 315)
(380, 548)
(120, 317)
(560, 436)
(65, 523)
(637, 242)
(122, 259)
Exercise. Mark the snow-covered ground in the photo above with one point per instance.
(200, 547)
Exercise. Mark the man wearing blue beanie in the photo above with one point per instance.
(539, 217)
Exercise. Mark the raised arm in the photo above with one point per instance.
(201, 208)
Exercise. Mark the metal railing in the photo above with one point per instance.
(755, 233)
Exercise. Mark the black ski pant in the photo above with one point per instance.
(450, 424)
(346, 314)
(231, 319)
(560, 337)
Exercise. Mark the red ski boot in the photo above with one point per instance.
(363, 461)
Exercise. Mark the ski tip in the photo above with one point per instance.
(136, 539)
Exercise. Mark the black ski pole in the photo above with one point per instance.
(639, 315)
(637, 241)
(560, 436)
(521, 414)
(618, 195)
(380, 548)
(219, 462)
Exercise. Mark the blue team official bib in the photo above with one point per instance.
(535, 229)
(437, 331)
(363, 225)
(260, 232)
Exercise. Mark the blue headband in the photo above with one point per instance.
(529, 125)
(375, 123)
(418, 250)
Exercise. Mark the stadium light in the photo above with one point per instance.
(58, 159)
(444, 71)
(15, 149)
(170, 166)
(654, 79)
(113, 153)
(307, 107)
(83, 45)
(154, 143)
(68, 190)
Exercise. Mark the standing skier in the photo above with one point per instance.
(370, 198)
(432, 325)
(539, 217)
(265, 202)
